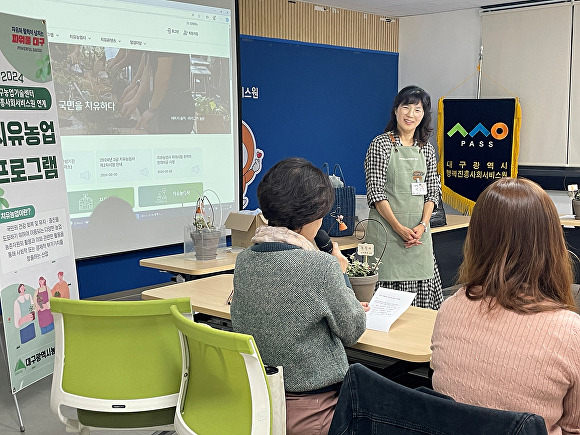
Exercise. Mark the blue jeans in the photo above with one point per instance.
(370, 404)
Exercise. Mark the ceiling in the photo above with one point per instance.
(402, 8)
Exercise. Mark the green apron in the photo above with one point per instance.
(400, 263)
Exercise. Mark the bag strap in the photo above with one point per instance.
(325, 166)
(341, 174)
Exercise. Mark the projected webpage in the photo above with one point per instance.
(146, 102)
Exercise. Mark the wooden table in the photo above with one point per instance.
(186, 265)
(570, 222)
(409, 338)
(454, 222)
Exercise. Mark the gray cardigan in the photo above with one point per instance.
(297, 306)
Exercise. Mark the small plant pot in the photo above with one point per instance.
(364, 286)
(576, 208)
(206, 244)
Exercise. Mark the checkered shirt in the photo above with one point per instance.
(377, 162)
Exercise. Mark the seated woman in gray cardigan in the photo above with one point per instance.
(296, 300)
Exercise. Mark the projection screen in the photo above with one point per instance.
(147, 94)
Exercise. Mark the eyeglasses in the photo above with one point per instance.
(415, 110)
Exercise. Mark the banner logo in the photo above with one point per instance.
(498, 131)
(20, 367)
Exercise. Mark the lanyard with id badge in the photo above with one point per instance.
(418, 186)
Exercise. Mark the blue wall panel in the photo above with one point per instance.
(320, 102)
(119, 272)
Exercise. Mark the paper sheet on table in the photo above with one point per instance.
(386, 306)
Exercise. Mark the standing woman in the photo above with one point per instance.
(42, 305)
(402, 190)
(24, 315)
(510, 339)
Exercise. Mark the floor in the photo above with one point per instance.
(34, 400)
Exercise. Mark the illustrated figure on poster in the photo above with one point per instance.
(252, 159)
(60, 289)
(42, 306)
(24, 315)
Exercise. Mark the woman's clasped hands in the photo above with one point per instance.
(411, 237)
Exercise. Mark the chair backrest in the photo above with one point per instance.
(369, 402)
(224, 387)
(118, 363)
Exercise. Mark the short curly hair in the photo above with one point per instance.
(294, 193)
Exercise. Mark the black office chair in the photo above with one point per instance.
(371, 403)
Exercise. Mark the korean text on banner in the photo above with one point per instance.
(37, 257)
(478, 143)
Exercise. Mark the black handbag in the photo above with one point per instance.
(344, 205)
(438, 218)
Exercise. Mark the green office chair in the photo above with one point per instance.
(224, 389)
(117, 363)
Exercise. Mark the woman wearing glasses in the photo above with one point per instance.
(402, 191)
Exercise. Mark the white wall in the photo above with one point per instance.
(439, 51)
(533, 64)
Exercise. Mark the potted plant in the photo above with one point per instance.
(205, 238)
(204, 234)
(363, 277)
(576, 204)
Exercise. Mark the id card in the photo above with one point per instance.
(418, 189)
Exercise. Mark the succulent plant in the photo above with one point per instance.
(361, 268)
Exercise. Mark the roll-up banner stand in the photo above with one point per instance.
(37, 257)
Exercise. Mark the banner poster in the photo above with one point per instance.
(37, 258)
(478, 143)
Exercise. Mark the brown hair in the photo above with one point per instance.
(515, 255)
